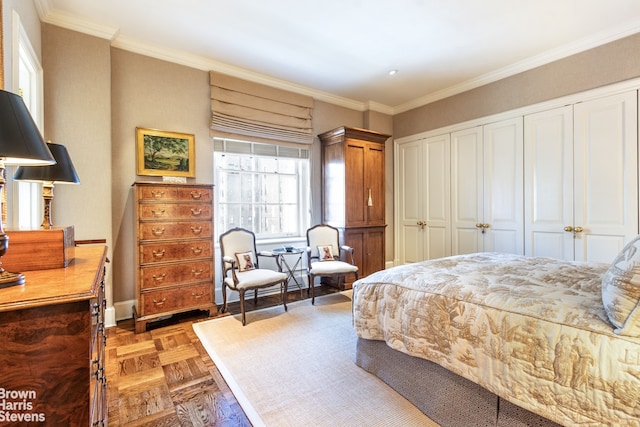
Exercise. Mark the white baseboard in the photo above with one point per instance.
(110, 317)
(123, 310)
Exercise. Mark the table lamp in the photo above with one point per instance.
(20, 144)
(62, 172)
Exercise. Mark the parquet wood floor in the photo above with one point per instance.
(164, 377)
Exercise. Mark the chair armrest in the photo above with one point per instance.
(231, 261)
(344, 249)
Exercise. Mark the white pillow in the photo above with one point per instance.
(325, 253)
(246, 261)
(621, 290)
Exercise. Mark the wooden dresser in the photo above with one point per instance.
(174, 256)
(53, 345)
(353, 192)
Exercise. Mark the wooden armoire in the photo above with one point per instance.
(353, 192)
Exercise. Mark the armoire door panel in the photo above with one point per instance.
(375, 189)
(355, 184)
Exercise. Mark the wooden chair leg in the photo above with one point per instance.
(313, 290)
(284, 294)
(244, 320)
(224, 297)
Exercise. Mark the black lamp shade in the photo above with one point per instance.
(62, 171)
(20, 140)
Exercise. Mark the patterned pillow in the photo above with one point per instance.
(246, 261)
(621, 290)
(325, 253)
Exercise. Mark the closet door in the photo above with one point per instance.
(605, 176)
(423, 199)
(503, 186)
(548, 191)
(467, 190)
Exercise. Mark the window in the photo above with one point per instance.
(262, 187)
(27, 77)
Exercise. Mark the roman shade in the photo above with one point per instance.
(245, 110)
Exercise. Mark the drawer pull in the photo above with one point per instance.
(157, 194)
(158, 254)
(159, 303)
(196, 195)
(196, 212)
(196, 230)
(157, 231)
(197, 273)
(196, 296)
(196, 251)
(158, 213)
(159, 278)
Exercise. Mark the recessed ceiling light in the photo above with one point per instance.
(393, 72)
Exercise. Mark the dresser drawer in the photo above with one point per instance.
(169, 193)
(175, 230)
(175, 251)
(175, 211)
(178, 298)
(175, 274)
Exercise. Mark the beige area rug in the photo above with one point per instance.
(297, 368)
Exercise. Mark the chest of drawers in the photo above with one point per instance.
(52, 356)
(174, 255)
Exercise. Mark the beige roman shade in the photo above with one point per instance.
(246, 110)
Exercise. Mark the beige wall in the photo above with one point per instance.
(610, 63)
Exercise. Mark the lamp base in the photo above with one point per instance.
(8, 279)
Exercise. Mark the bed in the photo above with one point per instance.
(557, 340)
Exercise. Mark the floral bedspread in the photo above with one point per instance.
(531, 330)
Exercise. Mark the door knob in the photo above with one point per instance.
(578, 229)
(568, 228)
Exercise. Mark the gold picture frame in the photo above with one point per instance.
(163, 153)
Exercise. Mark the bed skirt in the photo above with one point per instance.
(446, 398)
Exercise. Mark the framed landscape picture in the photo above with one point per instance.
(162, 153)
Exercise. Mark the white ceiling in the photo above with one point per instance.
(342, 50)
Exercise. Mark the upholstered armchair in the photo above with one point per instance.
(326, 257)
(241, 270)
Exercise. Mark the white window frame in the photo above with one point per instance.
(26, 207)
(304, 184)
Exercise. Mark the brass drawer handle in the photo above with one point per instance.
(159, 278)
(196, 251)
(158, 254)
(196, 194)
(157, 231)
(157, 195)
(159, 303)
(196, 296)
(196, 230)
(196, 212)
(197, 273)
(158, 213)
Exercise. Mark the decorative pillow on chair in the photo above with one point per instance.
(325, 253)
(246, 261)
(621, 290)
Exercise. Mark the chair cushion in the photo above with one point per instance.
(332, 267)
(246, 261)
(325, 253)
(256, 278)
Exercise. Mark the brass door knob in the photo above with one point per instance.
(578, 229)
(568, 228)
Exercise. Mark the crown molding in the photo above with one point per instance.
(522, 66)
(51, 16)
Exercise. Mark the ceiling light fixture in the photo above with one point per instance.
(393, 72)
